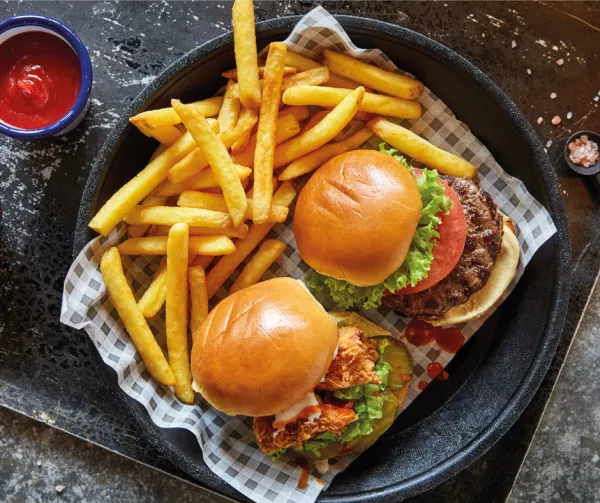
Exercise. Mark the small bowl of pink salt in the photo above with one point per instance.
(582, 152)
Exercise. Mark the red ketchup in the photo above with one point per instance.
(40, 79)
(420, 333)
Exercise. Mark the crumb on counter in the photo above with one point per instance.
(528, 71)
(513, 44)
(569, 115)
(553, 96)
(584, 152)
(560, 61)
(59, 489)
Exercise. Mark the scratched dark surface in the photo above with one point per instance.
(52, 374)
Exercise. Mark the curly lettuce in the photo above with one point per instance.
(418, 260)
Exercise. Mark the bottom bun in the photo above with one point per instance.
(485, 299)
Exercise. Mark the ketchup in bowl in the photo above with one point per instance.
(40, 78)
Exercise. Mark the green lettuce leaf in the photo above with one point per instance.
(415, 267)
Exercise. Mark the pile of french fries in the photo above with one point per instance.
(224, 171)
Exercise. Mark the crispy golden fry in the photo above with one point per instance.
(167, 135)
(285, 128)
(322, 133)
(314, 120)
(168, 117)
(420, 149)
(265, 136)
(232, 74)
(199, 298)
(246, 57)
(243, 247)
(387, 82)
(245, 115)
(230, 110)
(216, 202)
(161, 148)
(303, 64)
(177, 311)
(157, 245)
(250, 193)
(317, 158)
(269, 252)
(372, 103)
(218, 158)
(241, 231)
(300, 113)
(121, 203)
(122, 298)
(202, 261)
(155, 295)
(136, 231)
(314, 77)
(169, 215)
(195, 161)
(203, 180)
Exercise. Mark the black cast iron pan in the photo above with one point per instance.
(496, 374)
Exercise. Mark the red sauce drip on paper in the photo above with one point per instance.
(436, 371)
(419, 333)
(40, 78)
(319, 481)
(422, 385)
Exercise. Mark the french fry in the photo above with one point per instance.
(241, 231)
(157, 245)
(130, 194)
(372, 103)
(314, 77)
(250, 193)
(246, 57)
(303, 64)
(322, 133)
(268, 252)
(202, 261)
(232, 74)
(156, 293)
(136, 231)
(161, 148)
(167, 135)
(245, 115)
(204, 180)
(169, 215)
(216, 202)
(318, 157)
(420, 149)
(177, 311)
(122, 298)
(168, 117)
(196, 161)
(314, 120)
(285, 128)
(243, 247)
(218, 158)
(199, 298)
(300, 113)
(265, 136)
(385, 81)
(230, 110)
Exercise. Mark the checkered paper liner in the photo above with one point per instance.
(227, 443)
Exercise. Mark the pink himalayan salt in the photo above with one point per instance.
(584, 152)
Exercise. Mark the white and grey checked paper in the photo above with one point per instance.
(227, 443)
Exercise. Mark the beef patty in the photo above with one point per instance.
(482, 246)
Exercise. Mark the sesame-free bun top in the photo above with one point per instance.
(356, 217)
(263, 348)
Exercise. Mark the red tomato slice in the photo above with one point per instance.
(449, 247)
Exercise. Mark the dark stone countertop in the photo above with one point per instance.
(52, 373)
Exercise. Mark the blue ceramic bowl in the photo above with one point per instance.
(20, 24)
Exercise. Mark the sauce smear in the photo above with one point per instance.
(419, 333)
(40, 79)
(303, 481)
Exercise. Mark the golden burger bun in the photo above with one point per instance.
(492, 293)
(356, 217)
(263, 348)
